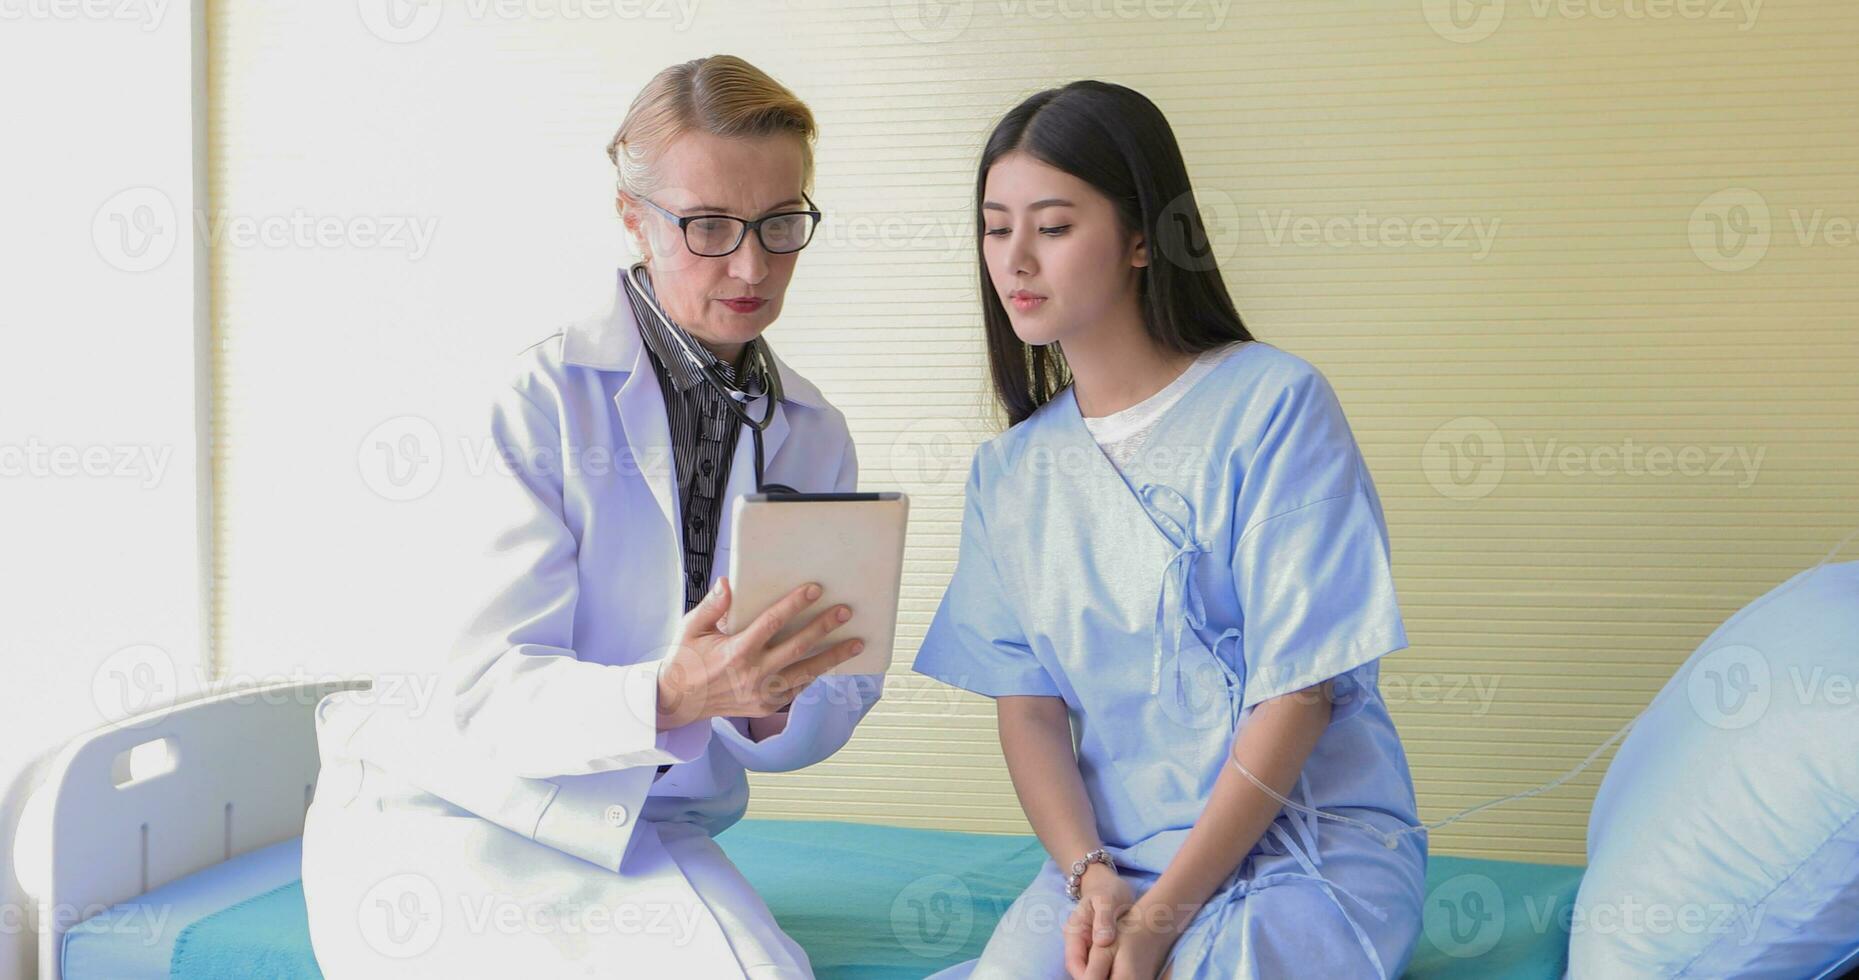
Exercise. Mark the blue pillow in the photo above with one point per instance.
(1724, 841)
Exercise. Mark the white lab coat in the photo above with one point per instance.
(518, 826)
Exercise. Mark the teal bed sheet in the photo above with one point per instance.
(889, 903)
(867, 902)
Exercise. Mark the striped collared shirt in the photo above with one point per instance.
(703, 430)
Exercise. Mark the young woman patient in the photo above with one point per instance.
(1172, 562)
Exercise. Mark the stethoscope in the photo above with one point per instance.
(760, 351)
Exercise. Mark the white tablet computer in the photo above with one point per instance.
(850, 543)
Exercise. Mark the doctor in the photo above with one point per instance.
(552, 814)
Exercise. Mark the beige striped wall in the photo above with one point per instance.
(1583, 274)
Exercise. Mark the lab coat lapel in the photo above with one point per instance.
(641, 403)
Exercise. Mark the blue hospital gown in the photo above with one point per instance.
(1241, 556)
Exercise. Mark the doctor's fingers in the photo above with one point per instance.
(709, 611)
(795, 648)
(777, 616)
(790, 681)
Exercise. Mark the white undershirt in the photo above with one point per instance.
(1122, 434)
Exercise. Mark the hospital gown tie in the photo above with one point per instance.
(1179, 592)
(1173, 515)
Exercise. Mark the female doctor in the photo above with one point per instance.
(552, 814)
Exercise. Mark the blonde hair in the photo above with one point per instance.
(722, 95)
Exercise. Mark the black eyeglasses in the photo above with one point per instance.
(717, 235)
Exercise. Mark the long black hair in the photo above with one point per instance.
(1116, 140)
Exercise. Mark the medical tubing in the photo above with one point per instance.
(770, 371)
(1391, 840)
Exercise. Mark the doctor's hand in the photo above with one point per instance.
(716, 675)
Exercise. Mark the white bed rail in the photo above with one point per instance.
(237, 774)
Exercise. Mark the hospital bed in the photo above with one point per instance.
(194, 872)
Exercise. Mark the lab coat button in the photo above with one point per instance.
(616, 816)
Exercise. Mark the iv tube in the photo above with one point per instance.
(1390, 840)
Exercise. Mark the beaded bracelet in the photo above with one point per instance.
(1075, 880)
